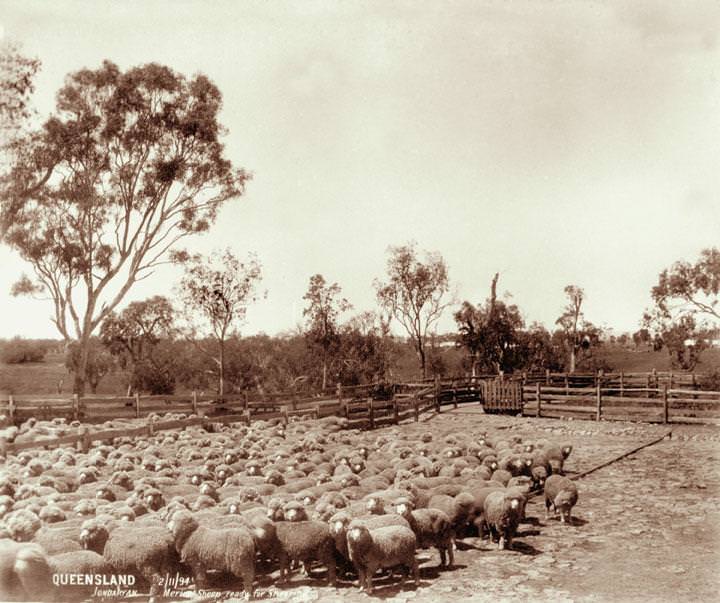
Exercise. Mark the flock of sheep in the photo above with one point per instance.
(226, 506)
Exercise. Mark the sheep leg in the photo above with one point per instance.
(200, 576)
(284, 568)
(361, 577)
(415, 571)
(332, 574)
(369, 573)
(451, 554)
(154, 579)
(248, 577)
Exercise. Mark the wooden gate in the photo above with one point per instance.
(502, 396)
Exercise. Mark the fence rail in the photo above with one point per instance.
(657, 405)
(371, 406)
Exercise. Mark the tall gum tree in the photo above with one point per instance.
(98, 197)
(215, 293)
(414, 294)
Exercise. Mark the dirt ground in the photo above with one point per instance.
(646, 528)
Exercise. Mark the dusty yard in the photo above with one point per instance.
(647, 528)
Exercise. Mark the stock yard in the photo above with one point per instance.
(645, 527)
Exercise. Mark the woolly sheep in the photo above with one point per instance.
(560, 492)
(432, 528)
(145, 551)
(502, 513)
(305, 541)
(387, 547)
(25, 574)
(229, 550)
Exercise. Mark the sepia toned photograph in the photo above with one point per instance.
(359, 300)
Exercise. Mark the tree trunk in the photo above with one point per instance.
(421, 354)
(222, 368)
(572, 360)
(80, 378)
(324, 375)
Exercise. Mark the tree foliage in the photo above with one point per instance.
(100, 361)
(689, 289)
(366, 351)
(491, 333)
(685, 298)
(16, 86)
(97, 198)
(414, 293)
(138, 337)
(215, 293)
(577, 334)
(324, 305)
(21, 351)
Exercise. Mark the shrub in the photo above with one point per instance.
(18, 351)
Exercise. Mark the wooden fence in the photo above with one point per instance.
(620, 379)
(657, 405)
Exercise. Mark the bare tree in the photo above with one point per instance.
(98, 197)
(215, 293)
(413, 294)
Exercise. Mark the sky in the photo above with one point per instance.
(553, 142)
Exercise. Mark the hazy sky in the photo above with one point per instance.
(555, 142)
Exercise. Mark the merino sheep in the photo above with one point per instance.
(25, 574)
(147, 551)
(432, 528)
(560, 492)
(502, 513)
(305, 541)
(387, 547)
(229, 550)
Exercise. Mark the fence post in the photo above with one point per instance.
(194, 402)
(76, 407)
(537, 397)
(437, 393)
(665, 403)
(598, 412)
(415, 410)
(317, 411)
(396, 412)
(137, 406)
(11, 409)
(567, 385)
(671, 379)
(86, 441)
(622, 383)
(547, 376)
(371, 413)
(151, 426)
(655, 378)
